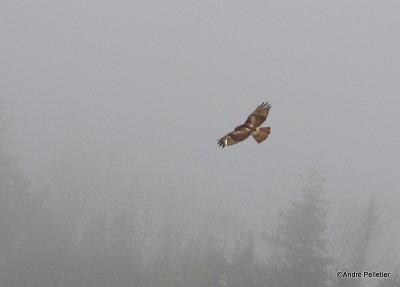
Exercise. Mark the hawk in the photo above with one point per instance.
(250, 127)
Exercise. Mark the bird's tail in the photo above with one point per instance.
(261, 134)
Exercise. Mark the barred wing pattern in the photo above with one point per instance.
(250, 127)
(238, 135)
(259, 115)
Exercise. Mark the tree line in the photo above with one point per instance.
(40, 246)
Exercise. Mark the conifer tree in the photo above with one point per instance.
(299, 256)
(361, 245)
(29, 237)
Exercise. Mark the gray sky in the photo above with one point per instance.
(147, 88)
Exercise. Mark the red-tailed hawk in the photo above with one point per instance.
(250, 127)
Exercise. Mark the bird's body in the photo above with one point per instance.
(245, 127)
(250, 128)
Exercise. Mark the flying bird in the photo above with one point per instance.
(250, 127)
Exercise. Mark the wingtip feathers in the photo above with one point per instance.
(264, 105)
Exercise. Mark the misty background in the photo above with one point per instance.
(111, 111)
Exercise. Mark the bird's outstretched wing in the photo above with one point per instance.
(238, 135)
(258, 116)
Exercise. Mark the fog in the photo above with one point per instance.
(110, 170)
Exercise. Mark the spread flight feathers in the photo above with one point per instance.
(250, 127)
